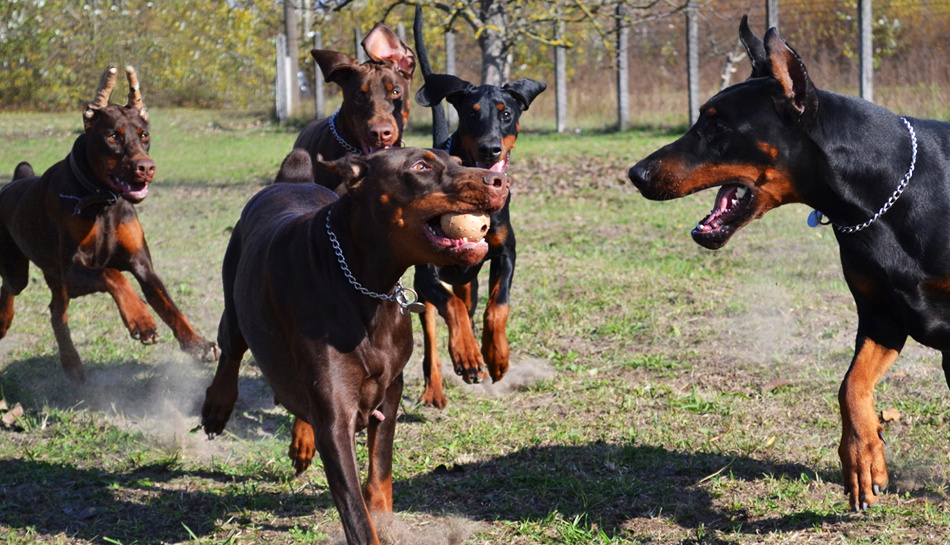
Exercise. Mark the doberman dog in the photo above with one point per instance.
(311, 287)
(487, 130)
(375, 105)
(878, 178)
(77, 223)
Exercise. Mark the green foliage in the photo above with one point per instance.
(194, 52)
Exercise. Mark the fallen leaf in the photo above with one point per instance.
(891, 415)
(775, 384)
(11, 416)
(3, 404)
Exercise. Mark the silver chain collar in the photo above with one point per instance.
(901, 186)
(346, 145)
(406, 298)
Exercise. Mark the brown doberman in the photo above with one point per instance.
(77, 223)
(311, 287)
(375, 105)
(879, 179)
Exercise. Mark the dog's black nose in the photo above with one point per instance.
(639, 173)
(489, 152)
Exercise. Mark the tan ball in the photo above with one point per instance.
(470, 226)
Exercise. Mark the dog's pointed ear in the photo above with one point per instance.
(335, 65)
(382, 44)
(525, 91)
(352, 169)
(799, 95)
(755, 48)
(441, 86)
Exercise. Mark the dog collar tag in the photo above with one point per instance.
(416, 307)
(402, 297)
(814, 219)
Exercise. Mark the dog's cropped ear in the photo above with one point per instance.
(382, 44)
(352, 169)
(799, 96)
(296, 168)
(525, 91)
(335, 66)
(441, 86)
(755, 48)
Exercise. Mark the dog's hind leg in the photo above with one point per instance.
(14, 267)
(433, 395)
(68, 356)
(302, 445)
(379, 444)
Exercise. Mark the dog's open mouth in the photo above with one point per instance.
(133, 191)
(467, 241)
(501, 166)
(732, 210)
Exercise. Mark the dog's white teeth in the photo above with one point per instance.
(741, 192)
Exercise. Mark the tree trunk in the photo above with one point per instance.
(496, 53)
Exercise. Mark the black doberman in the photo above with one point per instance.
(487, 130)
(878, 178)
(311, 287)
(77, 223)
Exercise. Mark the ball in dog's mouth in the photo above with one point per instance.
(473, 227)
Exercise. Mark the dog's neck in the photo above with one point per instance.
(91, 194)
(371, 262)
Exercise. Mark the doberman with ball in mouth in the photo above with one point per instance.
(311, 287)
(880, 180)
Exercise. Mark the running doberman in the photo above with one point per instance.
(878, 178)
(77, 223)
(487, 130)
(311, 287)
(375, 105)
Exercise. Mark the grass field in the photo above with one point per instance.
(659, 392)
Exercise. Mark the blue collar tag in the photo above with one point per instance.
(814, 219)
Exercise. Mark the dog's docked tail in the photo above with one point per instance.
(296, 168)
(440, 124)
(23, 170)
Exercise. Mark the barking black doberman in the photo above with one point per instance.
(311, 287)
(77, 223)
(878, 178)
(375, 105)
(487, 130)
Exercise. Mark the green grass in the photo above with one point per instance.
(634, 412)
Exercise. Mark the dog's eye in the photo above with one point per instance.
(506, 115)
(113, 137)
(421, 166)
(144, 137)
(396, 92)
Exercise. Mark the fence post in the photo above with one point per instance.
(867, 52)
(357, 38)
(318, 98)
(771, 14)
(692, 59)
(623, 69)
(560, 78)
(281, 91)
(452, 115)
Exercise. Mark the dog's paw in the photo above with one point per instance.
(216, 410)
(201, 350)
(433, 396)
(302, 445)
(467, 361)
(144, 330)
(863, 467)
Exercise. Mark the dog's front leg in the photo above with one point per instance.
(68, 356)
(81, 280)
(379, 444)
(335, 433)
(494, 337)
(158, 298)
(862, 437)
